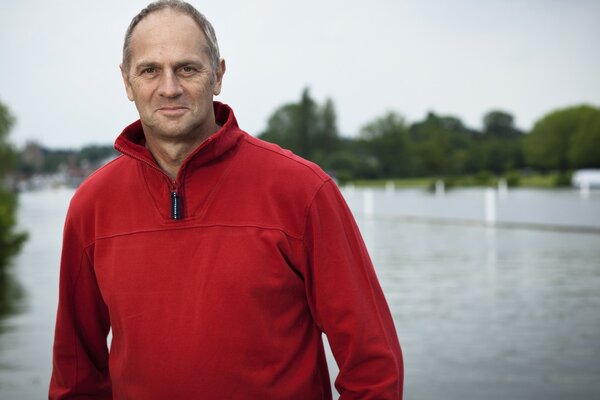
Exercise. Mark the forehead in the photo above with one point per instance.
(167, 31)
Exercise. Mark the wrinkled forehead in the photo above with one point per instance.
(167, 29)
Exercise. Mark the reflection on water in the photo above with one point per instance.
(11, 297)
(481, 313)
(26, 341)
(493, 314)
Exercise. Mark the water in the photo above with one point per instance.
(487, 314)
(555, 209)
(26, 334)
(481, 312)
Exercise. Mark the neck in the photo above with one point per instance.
(170, 154)
(169, 157)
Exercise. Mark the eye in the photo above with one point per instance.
(188, 70)
(148, 71)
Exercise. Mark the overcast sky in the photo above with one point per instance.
(59, 60)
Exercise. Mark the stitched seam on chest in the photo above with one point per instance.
(208, 226)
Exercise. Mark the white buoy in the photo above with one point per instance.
(369, 202)
(439, 188)
(502, 188)
(490, 206)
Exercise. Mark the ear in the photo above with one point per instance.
(128, 88)
(219, 78)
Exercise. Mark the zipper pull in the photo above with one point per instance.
(175, 205)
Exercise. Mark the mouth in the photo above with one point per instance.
(172, 111)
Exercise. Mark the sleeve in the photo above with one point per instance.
(348, 304)
(80, 353)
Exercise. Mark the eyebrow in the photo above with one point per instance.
(143, 65)
(179, 64)
(189, 62)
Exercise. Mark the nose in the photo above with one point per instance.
(169, 85)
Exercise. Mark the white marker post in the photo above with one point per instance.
(584, 190)
(502, 188)
(490, 206)
(369, 202)
(439, 188)
(390, 188)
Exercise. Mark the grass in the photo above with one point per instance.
(398, 183)
(514, 179)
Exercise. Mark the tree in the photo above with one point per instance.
(584, 149)
(500, 143)
(441, 145)
(306, 128)
(7, 154)
(96, 153)
(325, 140)
(500, 124)
(10, 241)
(565, 139)
(388, 141)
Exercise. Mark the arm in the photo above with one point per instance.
(348, 304)
(80, 358)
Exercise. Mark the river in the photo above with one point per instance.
(483, 311)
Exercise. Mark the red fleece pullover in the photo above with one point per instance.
(230, 300)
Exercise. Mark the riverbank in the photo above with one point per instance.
(483, 179)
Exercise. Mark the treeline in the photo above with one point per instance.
(37, 159)
(390, 147)
(442, 146)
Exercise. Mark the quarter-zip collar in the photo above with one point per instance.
(131, 143)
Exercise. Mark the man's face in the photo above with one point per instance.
(170, 77)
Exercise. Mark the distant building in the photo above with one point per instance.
(586, 178)
(34, 156)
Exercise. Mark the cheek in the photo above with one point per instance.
(142, 90)
(144, 99)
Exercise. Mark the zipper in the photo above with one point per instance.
(175, 205)
(176, 200)
(176, 211)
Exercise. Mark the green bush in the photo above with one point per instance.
(484, 178)
(10, 241)
(513, 178)
(562, 179)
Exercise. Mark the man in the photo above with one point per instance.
(217, 260)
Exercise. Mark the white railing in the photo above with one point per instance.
(559, 209)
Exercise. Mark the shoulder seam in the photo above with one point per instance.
(310, 204)
(322, 178)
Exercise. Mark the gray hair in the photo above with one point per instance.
(186, 9)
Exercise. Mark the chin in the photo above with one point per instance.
(174, 128)
(177, 131)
